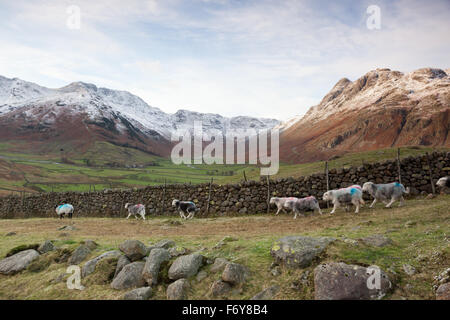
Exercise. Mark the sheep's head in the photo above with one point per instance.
(367, 186)
(273, 200)
(328, 196)
(175, 202)
(442, 182)
(126, 205)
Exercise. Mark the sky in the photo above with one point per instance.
(263, 58)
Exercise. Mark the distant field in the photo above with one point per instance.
(45, 172)
(419, 233)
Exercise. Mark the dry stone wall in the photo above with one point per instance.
(230, 199)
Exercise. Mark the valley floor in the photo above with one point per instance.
(420, 232)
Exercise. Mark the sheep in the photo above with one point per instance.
(135, 210)
(280, 202)
(383, 192)
(185, 207)
(443, 182)
(64, 209)
(301, 205)
(346, 196)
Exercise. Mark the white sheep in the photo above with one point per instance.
(64, 209)
(350, 195)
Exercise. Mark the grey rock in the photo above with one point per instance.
(267, 294)
(177, 251)
(201, 275)
(152, 265)
(91, 244)
(79, 254)
(121, 262)
(377, 240)
(143, 293)
(165, 244)
(220, 288)
(9, 234)
(409, 270)
(90, 265)
(339, 281)
(185, 266)
(299, 251)
(46, 246)
(219, 264)
(235, 273)
(133, 249)
(129, 277)
(443, 292)
(18, 262)
(67, 228)
(178, 290)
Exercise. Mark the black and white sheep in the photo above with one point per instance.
(299, 206)
(386, 192)
(280, 202)
(64, 209)
(135, 210)
(344, 196)
(185, 207)
(443, 182)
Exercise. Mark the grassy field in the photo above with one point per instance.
(45, 172)
(419, 231)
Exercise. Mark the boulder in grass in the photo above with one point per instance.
(143, 293)
(18, 262)
(219, 264)
(185, 266)
(121, 262)
(235, 274)
(133, 249)
(443, 292)
(340, 281)
(129, 277)
(220, 288)
(79, 254)
(156, 258)
(46, 246)
(165, 244)
(267, 294)
(299, 251)
(178, 290)
(90, 265)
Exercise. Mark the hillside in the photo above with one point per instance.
(381, 109)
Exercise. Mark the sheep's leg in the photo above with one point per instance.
(182, 215)
(390, 203)
(295, 213)
(129, 214)
(373, 203)
(402, 201)
(357, 206)
(320, 211)
(335, 206)
(278, 211)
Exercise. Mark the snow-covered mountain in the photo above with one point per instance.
(383, 108)
(119, 115)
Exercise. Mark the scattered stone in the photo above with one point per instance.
(201, 275)
(377, 240)
(339, 281)
(443, 292)
(129, 277)
(91, 244)
(46, 246)
(67, 228)
(178, 290)
(121, 262)
(235, 273)
(20, 248)
(89, 266)
(157, 257)
(133, 249)
(177, 251)
(79, 254)
(267, 294)
(351, 241)
(18, 262)
(143, 293)
(9, 234)
(443, 277)
(409, 270)
(185, 266)
(165, 244)
(220, 288)
(299, 251)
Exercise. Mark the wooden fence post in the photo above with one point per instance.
(164, 198)
(268, 194)
(328, 181)
(398, 166)
(431, 174)
(209, 196)
(245, 177)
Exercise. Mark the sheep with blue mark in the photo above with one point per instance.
(344, 196)
(302, 205)
(386, 192)
(63, 209)
(185, 207)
